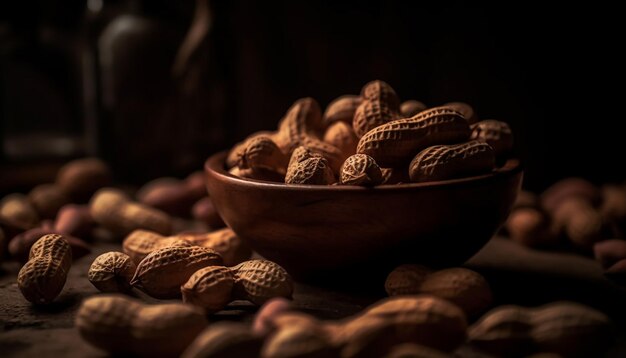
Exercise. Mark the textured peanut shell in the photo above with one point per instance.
(495, 133)
(260, 280)
(395, 175)
(113, 210)
(341, 110)
(371, 114)
(303, 119)
(42, 278)
(232, 249)
(210, 288)
(564, 328)
(112, 272)
(441, 162)
(224, 340)
(333, 155)
(411, 107)
(162, 272)
(380, 90)
(121, 325)
(314, 170)
(393, 144)
(360, 169)
(139, 243)
(342, 136)
(235, 152)
(262, 153)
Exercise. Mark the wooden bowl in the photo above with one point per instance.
(317, 231)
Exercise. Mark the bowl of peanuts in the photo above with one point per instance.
(368, 184)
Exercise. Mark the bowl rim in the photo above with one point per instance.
(215, 165)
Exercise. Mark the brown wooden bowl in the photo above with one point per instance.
(328, 231)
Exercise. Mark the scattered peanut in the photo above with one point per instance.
(580, 221)
(162, 272)
(565, 328)
(80, 178)
(341, 110)
(393, 144)
(441, 162)
(569, 188)
(466, 288)
(42, 278)
(114, 210)
(609, 252)
(112, 272)
(224, 339)
(74, 220)
(212, 288)
(360, 169)
(20, 245)
(263, 323)
(47, 199)
(121, 325)
(411, 107)
(421, 319)
(530, 227)
(18, 211)
(171, 195)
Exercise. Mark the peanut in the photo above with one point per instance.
(530, 227)
(162, 272)
(465, 109)
(112, 272)
(421, 319)
(261, 153)
(342, 136)
(617, 272)
(224, 339)
(171, 195)
(224, 241)
(16, 210)
(495, 133)
(613, 208)
(371, 114)
(204, 210)
(47, 199)
(121, 325)
(42, 278)
(394, 143)
(312, 170)
(341, 110)
(567, 188)
(564, 328)
(466, 288)
(257, 174)
(114, 210)
(380, 90)
(411, 107)
(332, 154)
(263, 323)
(580, 221)
(235, 153)
(80, 178)
(139, 243)
(303, 119)
(257, 281)
(20, 245)
(295, 341)
(360, 169)
(441, 162)
(74, 220)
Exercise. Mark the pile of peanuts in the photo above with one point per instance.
(574, 214)
(372, 139)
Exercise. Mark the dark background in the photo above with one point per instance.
(555, 74)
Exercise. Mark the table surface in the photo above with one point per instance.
(517, 275)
